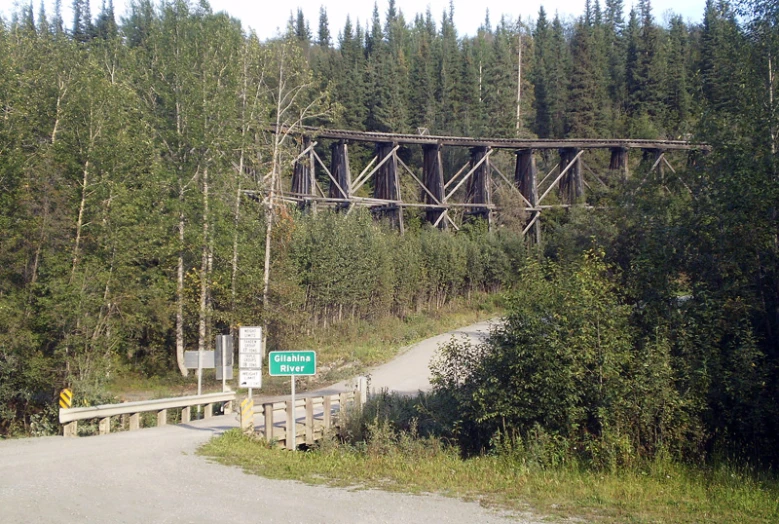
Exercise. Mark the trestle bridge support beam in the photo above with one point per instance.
(467, 193)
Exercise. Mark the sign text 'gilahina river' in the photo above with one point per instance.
(289, 363)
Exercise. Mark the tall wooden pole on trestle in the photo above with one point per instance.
(302, 179)
(479, 185)
(654, 157)
(339, 168)
(433, 178)
(572, 184)
(312, 176)
(526, 175)
(659, 153)
(619, 162)
(387, 185)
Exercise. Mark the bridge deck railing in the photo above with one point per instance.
(321, 414)
(70, 417)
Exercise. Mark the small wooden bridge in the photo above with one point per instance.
(470, 188)
(312, 414)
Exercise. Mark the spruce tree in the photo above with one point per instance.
(614, 27)
(645, 73)
(471, 115)
(43, 23)
(677, 95)
(500, 83)
(83, 30)
(422, 102)
(300, 28)
(105, 26)
(560, 71)
(323, 34)
(447, 59)
(57, 23)
(350, 82)
(542, 76)
(582, 108)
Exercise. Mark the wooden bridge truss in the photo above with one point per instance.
(468, 191)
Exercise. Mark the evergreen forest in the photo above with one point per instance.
(136, 159)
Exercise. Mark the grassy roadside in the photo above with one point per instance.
(657, 492)
(343, 351)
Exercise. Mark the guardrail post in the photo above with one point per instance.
(247, 416)
(343, 398)
(228, 407)
(209, 411)
(104, 426)
(186, 415)
(327, 408)
(70, 429)
(135, 422)
(162, 417)
(268, 416)
(309, 421)
(362, 387)
(290, 422)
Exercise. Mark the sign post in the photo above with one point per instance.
(292, 364)
(223, 359)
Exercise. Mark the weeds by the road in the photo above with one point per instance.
(657, 491)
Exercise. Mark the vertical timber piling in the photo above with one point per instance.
(572, 184)
(619, 162)
(434, 183)
(479, 185)
(525, 176)
(387, 185)
(303, 177)
(339, 168)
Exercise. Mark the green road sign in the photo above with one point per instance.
(292, 363)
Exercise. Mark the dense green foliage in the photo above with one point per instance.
(597, 76)
(125, 153)
(568, 365)
(652, 326)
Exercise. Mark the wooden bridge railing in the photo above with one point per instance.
(69, 417)
(321, 413)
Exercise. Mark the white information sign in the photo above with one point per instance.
(250, 358)
(249, 345)
(249, 378)
(250, 361)
(250, 332)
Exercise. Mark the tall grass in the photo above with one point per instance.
(393, 445)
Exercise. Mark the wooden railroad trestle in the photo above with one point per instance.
(472, 184)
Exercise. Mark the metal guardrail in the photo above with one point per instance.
(70, 417)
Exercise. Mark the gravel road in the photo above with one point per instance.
(154, 476)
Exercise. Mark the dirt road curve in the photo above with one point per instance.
(409, 372)
(153, 476)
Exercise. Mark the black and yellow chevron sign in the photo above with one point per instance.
(66, 398)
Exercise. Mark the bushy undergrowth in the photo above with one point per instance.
(349, 267)
(332, 276)
(395, 444)
(582, 371)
